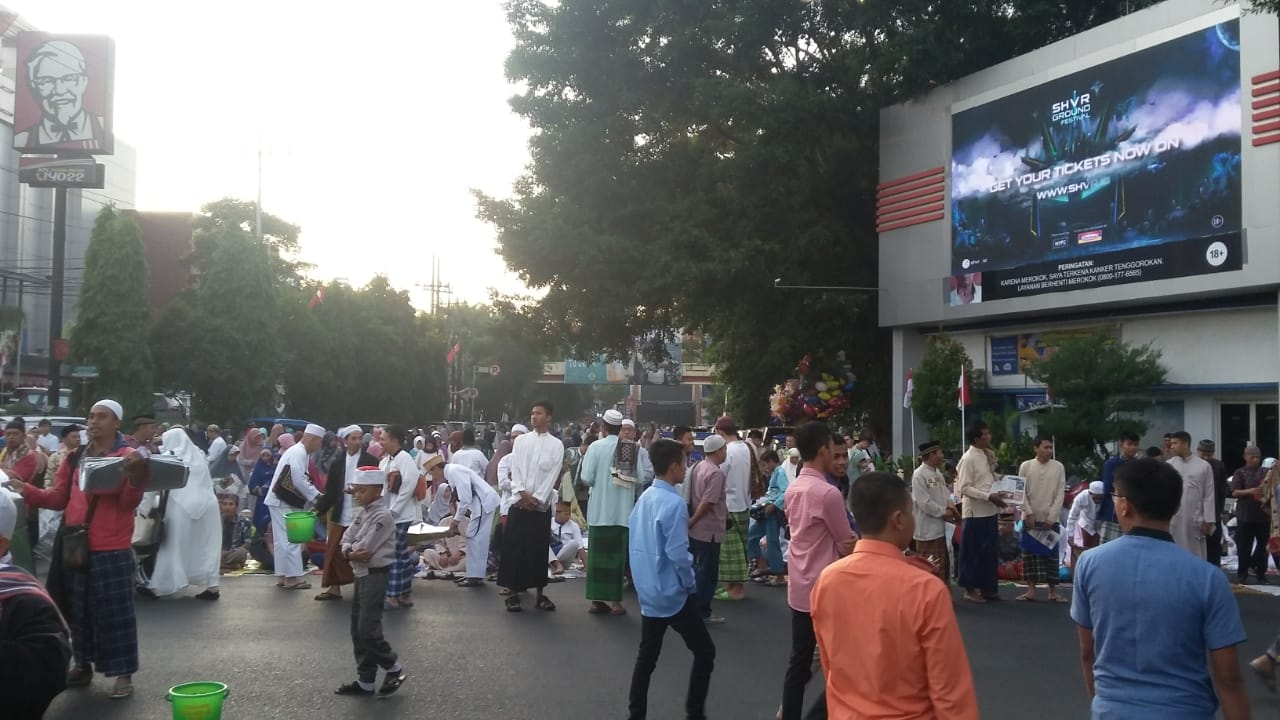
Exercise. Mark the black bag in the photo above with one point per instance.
(75, 542)
(286, 491)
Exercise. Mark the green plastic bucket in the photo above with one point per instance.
(197, 700)
(300, 526)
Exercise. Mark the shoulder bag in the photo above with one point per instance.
(286, 491)
(148, 532)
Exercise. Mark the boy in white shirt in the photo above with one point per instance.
(566, 540)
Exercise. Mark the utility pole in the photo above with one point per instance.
(257, 209)
(55, 298)
(436, 288)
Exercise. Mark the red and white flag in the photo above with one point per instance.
(453, 353)
(911, 388)
(317, 298)
(963, 387)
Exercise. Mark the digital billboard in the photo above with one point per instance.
(1126, 172)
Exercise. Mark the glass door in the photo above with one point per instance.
(1243, 423)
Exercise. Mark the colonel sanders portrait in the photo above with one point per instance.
(58, 76)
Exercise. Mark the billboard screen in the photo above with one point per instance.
(1126, 172)
(63, 94)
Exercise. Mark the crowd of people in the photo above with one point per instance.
(687, 528)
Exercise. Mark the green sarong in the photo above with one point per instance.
(606, 562)
(733, 551)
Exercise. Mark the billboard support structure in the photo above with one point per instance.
(55, 296)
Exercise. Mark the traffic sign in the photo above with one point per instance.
(84, 372)
(494, 370)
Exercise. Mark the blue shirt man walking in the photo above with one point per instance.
(662, 573)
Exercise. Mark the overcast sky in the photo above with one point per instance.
(377, 118)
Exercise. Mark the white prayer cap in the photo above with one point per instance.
(344, 432)
(629, 423)
(113, 406)
(1268, 463)
(612, 417)
(370, 476)
(518, 429)
(713, 443)
(1097, 488)
(8, 514)
(313, 429)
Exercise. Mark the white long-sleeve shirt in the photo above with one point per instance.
(295, 458)
(1083, 517)
(537, 460)
(471, 491)
(504, 484)
(929, 495)
(404, 507)
(472, 458)
(974, 478)
(217, 451)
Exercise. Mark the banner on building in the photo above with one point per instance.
(1011, 354)
(1125, 172)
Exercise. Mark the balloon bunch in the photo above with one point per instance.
(814, 394)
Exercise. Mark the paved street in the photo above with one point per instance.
(282, 654)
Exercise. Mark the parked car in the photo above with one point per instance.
(57, 422)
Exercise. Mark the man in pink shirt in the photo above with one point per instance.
(820, 534)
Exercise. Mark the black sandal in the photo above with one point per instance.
(513, 603)
(544, 603)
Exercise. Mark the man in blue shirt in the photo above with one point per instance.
(1108, 528)
(1148, 613)
(662, 573)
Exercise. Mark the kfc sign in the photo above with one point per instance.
(63, 94)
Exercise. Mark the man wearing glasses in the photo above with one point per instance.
(57, 75)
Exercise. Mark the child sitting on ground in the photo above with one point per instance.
(566, 540)
(369, 544)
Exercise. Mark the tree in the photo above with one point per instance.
(1264, 6)
(936, 388)
(686, 154)
(1098, 381)
(111, 327)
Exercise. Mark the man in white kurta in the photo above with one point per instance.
(288, 556)
(402, 482)
(476, 499)
(537, 459)
(931, 505)
(1194, 520)
(469, 455)
(1041, 516)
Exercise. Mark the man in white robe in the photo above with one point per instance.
(478, 501)
(469, 455)
(288, 556)
(1194, 520)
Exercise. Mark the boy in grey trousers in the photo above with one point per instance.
(369, 544)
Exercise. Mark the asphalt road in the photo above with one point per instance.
(283, 654)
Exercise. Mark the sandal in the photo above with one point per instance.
(544, 603)
(974, 598)
(513, 603)
(328, 596)
(209, 595)
(405, 602)
(304, 585)
(504, 591)
(79, 677)
(776, 581)
(618, 611)
(598, 608)
(472, 582)
(390, 605)
(121, 690)
(1025, 598)
(1058, 599)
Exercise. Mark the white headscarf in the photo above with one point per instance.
(196, 498)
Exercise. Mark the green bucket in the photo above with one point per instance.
(197, 700)
(300, 526)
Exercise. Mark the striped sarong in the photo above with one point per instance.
(606, 562)
(733, 551)
(104, 626)
(400, 572)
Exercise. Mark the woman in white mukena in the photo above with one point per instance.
(192, 547)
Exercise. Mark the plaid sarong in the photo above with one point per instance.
(400, 572)
(1108, 531)
(733, 551)
(104, 627)
(936, 551)
(606, 562)
(1040, 569)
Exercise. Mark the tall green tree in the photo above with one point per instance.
(1100, 384)
(686, 154)
(936, 388)
(111, 327)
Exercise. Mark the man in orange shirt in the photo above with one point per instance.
(895, 651)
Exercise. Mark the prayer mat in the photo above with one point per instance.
(606, 562)
(733, 551)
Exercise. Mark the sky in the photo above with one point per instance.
(376, 120)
